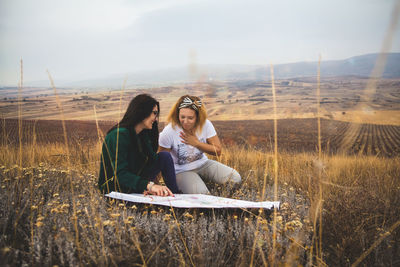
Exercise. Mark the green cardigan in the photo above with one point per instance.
(135, 158)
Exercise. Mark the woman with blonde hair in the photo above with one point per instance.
(188, 136)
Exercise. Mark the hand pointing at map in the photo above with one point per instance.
(158, 190)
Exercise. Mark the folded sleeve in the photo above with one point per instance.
(166, 137)
(210, 130)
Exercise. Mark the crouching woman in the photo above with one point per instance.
(129, 160)
(188, 137)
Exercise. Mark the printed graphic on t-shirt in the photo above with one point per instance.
(187, 154)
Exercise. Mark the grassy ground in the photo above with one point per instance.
(53, 214)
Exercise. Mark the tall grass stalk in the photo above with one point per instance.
(275, 161)
(376, 243)
(21, 84)
(116, 148)
(19, 211)
(100, 139)
(320, 189)
(4, 133)
(31, 189)
(380, 63)
(116, 184)
(182, 237)
(74, 216)
(263, 190)
(370, 88)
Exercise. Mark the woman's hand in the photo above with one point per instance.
(212, 147)
(189, 138)
(159, 190)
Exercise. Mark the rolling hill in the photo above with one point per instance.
(360, 66)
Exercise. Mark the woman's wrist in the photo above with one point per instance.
(150, 185)
(197, 144)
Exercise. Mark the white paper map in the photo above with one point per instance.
(193, 201)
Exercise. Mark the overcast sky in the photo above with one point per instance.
(81, 39)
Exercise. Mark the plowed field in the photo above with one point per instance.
(294, 135)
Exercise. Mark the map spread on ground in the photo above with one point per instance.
(194, 201)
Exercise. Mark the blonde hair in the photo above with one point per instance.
(201, 113)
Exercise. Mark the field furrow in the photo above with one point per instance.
(379, 144)
(350, 138)
(337, 138)
(392, 135)
(390, 144)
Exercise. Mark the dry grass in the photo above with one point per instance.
(360, 212)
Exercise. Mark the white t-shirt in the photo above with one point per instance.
(186, 157)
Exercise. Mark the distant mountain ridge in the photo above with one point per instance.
(354, 66)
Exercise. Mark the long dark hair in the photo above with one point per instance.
(140, 107)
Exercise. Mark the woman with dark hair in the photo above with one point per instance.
(129, 158)
(188, 136)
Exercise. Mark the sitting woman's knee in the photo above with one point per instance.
(234, 177)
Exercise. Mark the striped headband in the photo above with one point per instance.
(187, 102)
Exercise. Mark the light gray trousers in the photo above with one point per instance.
(191, 182)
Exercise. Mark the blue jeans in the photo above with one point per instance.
(165, 165)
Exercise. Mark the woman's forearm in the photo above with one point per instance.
(211, 149)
